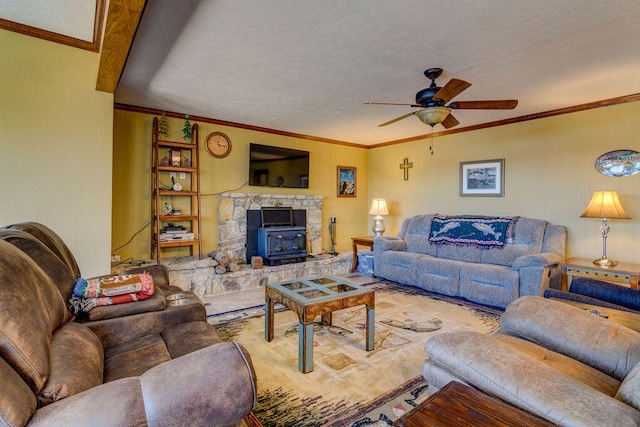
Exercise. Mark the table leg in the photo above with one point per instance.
(268, 319)
(326, 319)
(305, 347)
(354, 264)
(371, 329)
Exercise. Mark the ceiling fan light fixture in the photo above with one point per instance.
(434, 115)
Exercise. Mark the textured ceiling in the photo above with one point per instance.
(73, 18)
(308, 66)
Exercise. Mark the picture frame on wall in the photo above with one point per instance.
(482, 178)
(347, 181)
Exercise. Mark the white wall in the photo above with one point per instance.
(56, 135)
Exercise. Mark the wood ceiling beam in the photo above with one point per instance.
(123, 17)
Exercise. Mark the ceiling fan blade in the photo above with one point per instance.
(390, 103)
(452, 89)
(396, 119)
(450, 122)
(505, 104)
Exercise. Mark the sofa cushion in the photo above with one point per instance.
(605, 291)
(17, 401)
(569, 330)
(438, 275)
(629, 391)
(77, 362)
(134, 357)
(460, 253)
(47, 260)
(31, 308)
(415, 231)
(528, 238)
(493, 285)
(592, 377)
(156, 302)
(52, 241)
(188, 337)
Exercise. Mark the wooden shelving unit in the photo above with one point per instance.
(188, 198)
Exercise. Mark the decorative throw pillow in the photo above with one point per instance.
(629, 391)
(76, 365)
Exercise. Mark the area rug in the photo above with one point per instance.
(348, 385)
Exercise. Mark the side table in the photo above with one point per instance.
(458, 405)
(362, 241)
(582, 267)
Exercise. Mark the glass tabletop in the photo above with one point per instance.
(313, 289)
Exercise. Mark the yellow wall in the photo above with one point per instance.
(132, 186)
(55, 139)
(549, 174)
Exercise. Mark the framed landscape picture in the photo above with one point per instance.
(482, 178)
(347, 184)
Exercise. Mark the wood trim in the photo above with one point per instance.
(567, 110)
(121, 25)
(144, 110)
(93, 46)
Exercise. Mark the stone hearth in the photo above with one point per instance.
(199, 275)
(232, 219)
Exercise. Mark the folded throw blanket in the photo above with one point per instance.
(481, 232)
(110, 290)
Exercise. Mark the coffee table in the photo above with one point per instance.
(311, 297)
(458, 405)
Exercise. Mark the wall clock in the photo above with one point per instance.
(218, 145)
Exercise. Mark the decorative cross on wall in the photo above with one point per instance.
(406, 164)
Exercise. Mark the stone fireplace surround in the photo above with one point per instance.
(232, 218)
(198, 275)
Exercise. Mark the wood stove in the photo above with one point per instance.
(280, 239)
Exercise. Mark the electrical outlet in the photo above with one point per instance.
(183, 175)
(172, 174)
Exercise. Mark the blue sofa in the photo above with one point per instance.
(526, 264)
(599, 293)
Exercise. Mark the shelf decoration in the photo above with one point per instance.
(186, 131)
(163, 127)
(176, 156)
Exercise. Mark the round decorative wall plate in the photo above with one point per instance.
(618, 163)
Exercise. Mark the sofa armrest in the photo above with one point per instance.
(591, 339)
(214, 386)
(522, 380)
(544, 259)
(389, 243)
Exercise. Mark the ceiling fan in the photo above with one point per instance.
(433, 101)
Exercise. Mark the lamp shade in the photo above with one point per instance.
(378, 207)
(605, 204)
(433, 116)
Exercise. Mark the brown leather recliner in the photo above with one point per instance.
(147, 364)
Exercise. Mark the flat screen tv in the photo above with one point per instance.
(278, 167)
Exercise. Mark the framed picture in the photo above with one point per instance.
(482, 178)
(347, 184)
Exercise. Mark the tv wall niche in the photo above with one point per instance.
(271, 166)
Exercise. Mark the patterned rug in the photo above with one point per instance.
(349, 386)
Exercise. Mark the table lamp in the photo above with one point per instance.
(378, 208)
(605, 204)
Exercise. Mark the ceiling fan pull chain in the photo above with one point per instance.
(431, 141)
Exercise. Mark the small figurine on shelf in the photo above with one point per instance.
(186, 131)
(163, 127)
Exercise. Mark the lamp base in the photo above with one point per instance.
(378, 226)
(605, 262)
